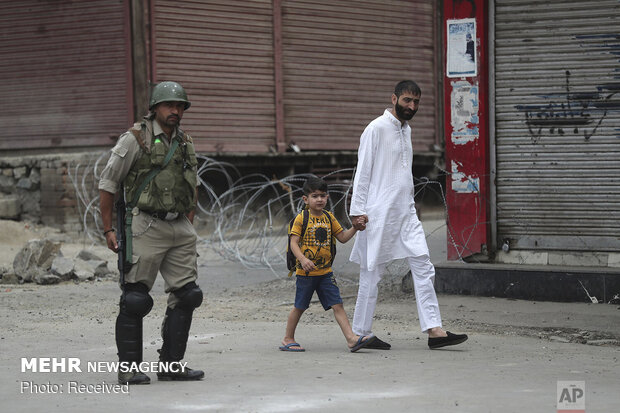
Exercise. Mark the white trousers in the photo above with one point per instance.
(423, 273)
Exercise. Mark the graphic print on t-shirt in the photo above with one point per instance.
(316, 243)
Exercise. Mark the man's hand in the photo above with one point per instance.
(110, 239)
(359, 222)
(106, 206)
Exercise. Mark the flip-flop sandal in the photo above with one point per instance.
(361, 343)
(289, 345)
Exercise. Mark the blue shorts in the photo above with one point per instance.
(325, 287)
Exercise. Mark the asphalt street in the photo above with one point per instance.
(518, 357)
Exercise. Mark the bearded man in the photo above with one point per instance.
(383, 197)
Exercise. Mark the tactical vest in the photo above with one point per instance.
(174, 188)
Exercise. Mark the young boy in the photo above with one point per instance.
(314, 272)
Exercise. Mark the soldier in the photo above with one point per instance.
(155, 163)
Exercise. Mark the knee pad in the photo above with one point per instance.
(135, 300)
(190, 296)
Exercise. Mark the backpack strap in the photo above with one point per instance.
(328, 217)
(304, 225)
(332, 244)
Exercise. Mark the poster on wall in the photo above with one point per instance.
(464, 118)
(461, 53)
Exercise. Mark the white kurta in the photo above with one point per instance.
(383, 189)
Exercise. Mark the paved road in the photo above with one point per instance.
(245, 372)
(505, 366)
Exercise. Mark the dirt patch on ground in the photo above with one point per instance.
(396, 311)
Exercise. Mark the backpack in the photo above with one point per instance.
(291, 260)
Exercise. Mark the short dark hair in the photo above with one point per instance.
(407, 86)
(314, 184)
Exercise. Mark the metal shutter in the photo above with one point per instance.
(66, 73)
(222, 53)
(341, 61)
(558, 124)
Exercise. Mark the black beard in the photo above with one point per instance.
(404, 114)
(172, 121)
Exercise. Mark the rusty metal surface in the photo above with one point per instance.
(338, 68)
(222, 53)
(341, 64)
(65, 72)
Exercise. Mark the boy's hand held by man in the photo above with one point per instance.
(359, 222)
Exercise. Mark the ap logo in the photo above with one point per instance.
(571, 397)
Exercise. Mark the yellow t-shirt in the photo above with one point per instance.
(316, 242)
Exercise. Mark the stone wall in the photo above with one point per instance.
(53, 189)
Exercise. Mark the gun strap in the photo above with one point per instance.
(129, 215)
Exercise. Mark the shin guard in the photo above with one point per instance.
(175, 333)
(135, 303)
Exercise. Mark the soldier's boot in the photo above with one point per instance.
(134, 305)
(175, 333)
(132, 378)
(182, 374)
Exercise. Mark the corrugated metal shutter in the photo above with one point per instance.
(558, 124)
(221, 51)
(65, 70)
(341, 60)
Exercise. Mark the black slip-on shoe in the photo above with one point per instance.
(132, 378)
(378, 344)
(450, 340)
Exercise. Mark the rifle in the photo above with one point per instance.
(121, 209)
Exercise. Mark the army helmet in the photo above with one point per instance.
(168, 92)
